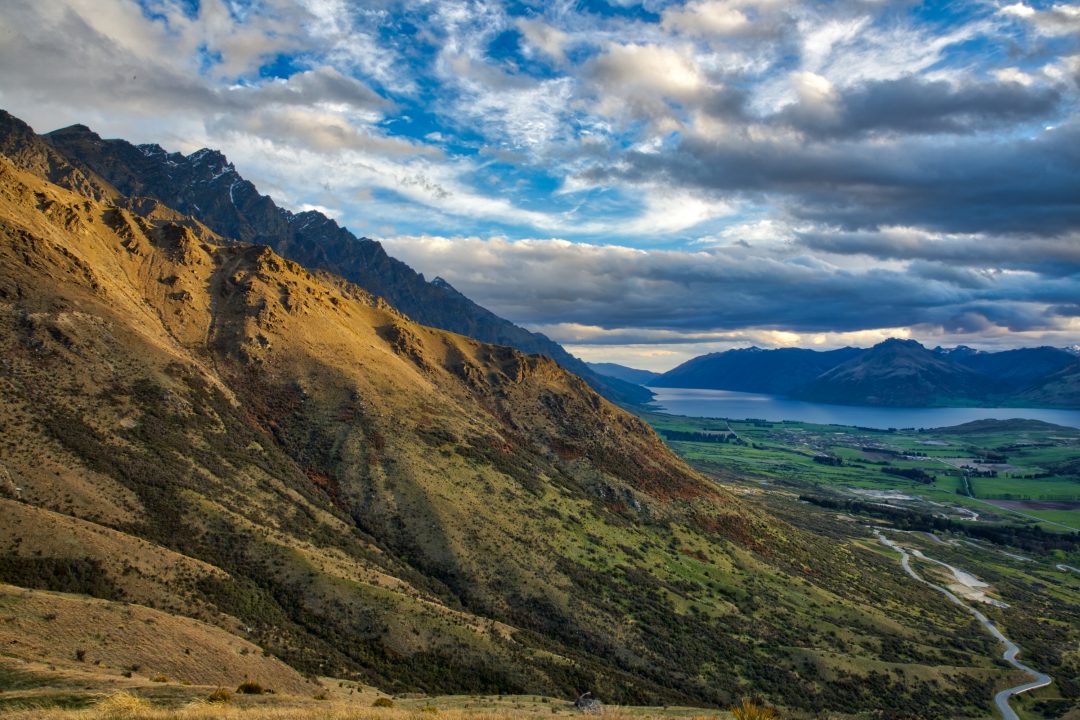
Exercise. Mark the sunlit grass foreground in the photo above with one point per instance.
(126, 706)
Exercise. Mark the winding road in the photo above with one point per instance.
(1011, 649)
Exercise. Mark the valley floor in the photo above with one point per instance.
(944, 499)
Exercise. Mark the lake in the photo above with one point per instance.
(739, 406)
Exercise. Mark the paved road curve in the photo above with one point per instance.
(1011, 649)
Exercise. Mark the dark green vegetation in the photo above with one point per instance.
(1019, 478)
(898, 373)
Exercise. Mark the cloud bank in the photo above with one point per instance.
(660, 175)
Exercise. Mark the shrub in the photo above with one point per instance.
(383, 702)
(750, 710)
(159, 678)
(122, 706)
(250, 688)
(221, 695)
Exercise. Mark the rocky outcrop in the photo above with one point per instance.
(207, 186)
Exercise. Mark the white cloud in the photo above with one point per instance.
(1058, 19)
(712, 17)
(641, 81)
(549, 40)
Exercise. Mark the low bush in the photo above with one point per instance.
(250, 688)
(221, 695)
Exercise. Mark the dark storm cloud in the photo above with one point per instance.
(1049, 256)
(1019, 185)
(548, 282)
(911, 105)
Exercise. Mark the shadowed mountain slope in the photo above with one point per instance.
(754, 370)
(899, 373)
(1016, 369)
(205, 185)
(1060, 388)
(621, 372)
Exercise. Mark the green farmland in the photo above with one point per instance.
(1019, 471)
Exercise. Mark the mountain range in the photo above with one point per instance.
(622, 372)
(897, 373)
(206, 186)
(203, 436)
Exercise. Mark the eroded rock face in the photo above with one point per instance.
(207, 186)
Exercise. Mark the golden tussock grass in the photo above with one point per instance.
(749, 710)
(127, 706)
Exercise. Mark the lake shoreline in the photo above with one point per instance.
(729, 404)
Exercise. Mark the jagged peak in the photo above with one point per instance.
(152, 149)
(7, 119)
(900, 342)
(211, 158)
(208, 154)
(439, 282)
(76, 130)
(958, 350)
(307, 219)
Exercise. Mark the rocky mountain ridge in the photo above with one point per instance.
(208, 187)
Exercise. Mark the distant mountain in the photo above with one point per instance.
(1061, 389)
(621, 372)
(1016, 369)
(990, 426)
(207, 186)
(960, 351)
(775, 372)
(897, 373)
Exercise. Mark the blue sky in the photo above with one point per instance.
(643, 181)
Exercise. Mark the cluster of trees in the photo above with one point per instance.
(916, 474)
(713, 437)
(829, 460)
(1032, 538)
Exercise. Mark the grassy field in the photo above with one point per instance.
(1034, 469)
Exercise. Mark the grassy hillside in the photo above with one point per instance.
(214, 432)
